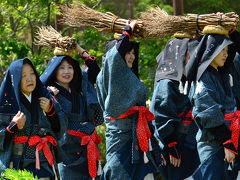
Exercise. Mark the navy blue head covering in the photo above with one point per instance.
(208, 48)
(171, 60)
(131, 45)
(11, 87)
(48, 77)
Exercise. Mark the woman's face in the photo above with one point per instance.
(64, 73)
(220, 59)
(129, 57)
(28, 81)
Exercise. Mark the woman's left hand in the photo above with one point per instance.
(44, 104)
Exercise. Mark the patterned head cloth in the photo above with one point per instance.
(11, 87)
(171, 60)
(132, 45)
(205, 52)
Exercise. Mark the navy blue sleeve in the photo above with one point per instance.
(123, 42)
(93, 70)
(53, 118)
(235, 37)
(164, 108)
(221, 133)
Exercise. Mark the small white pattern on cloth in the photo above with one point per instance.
(199, 87)
(149, 177)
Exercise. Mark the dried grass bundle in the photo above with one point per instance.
(79, 15)
(153, 23)
(157, 23)
(49, 37)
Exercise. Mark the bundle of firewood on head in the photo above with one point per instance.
(79, 15)
(152, 24)
(49, 37)
(157, 23)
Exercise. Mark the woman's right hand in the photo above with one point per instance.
(20, 119)
(229, 156)
(132, 24)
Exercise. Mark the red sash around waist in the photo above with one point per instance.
(41, 143)
(142, 130)
(92, 149)
(235, 126)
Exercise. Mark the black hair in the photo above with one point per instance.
(135, 46)
(76, 74)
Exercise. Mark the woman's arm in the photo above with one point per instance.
(93, 68)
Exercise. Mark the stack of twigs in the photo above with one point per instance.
(79, 15)
(157, 23)
(49, 37)
(153, 23)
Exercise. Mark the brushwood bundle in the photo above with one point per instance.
(152, 24)
(49, 37)
(157, 23)
(79, 15)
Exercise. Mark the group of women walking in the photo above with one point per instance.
(47, 123)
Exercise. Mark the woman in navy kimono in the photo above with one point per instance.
(122, 97)
(214, 108)
(78, 98)
(173, 111)
(31, 121)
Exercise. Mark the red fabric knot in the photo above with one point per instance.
(92, 149)
(235, 126)
(142, 130)
(172, 144)
(41, 143)
(188, 115)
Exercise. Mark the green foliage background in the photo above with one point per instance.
(19, 20)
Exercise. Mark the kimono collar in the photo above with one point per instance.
(48, 76)
(29, 98)
(208, 48)
(171, 60)
(11, 86)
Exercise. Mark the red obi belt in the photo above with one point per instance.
(187, 118)
(93, 154)
(142, 129)
(41, 143)
(235, 126)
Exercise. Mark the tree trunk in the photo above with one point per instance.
(130, 3)
(178, 7)
(58, 18)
